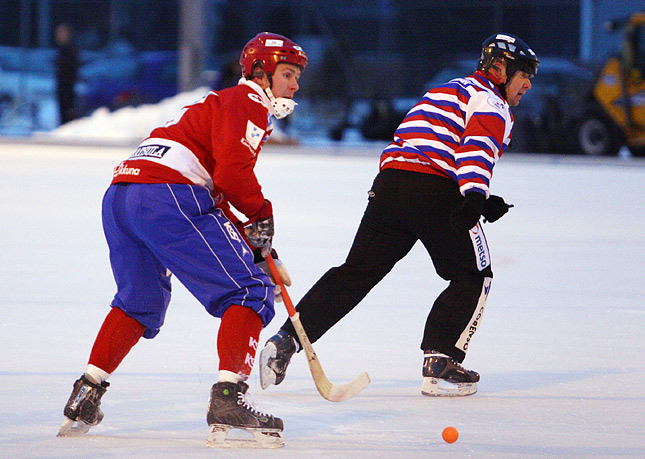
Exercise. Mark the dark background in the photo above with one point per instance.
(369, 61)
(389, 46)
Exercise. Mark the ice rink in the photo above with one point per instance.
(560, 350)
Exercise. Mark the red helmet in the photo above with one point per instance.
(271, 49)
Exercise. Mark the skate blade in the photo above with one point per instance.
(71, 428)
(219, 438)
(267, 375)
(433, 387)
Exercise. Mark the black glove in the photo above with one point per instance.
(467, 214)
(495, 208)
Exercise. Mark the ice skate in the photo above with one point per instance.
(230, 410)
(443, 376)
(83, 409)
(275, 358)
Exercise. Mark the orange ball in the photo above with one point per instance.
(450, 434)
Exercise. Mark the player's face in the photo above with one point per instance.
(285, 80)
(517, 87)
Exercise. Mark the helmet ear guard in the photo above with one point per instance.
(257, 70)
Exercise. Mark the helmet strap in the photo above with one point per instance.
(282, 106)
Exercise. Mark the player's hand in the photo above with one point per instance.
(282, 269)
(260, 232)
(495, 208)
(467, 214)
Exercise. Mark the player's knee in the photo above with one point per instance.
(471, 285)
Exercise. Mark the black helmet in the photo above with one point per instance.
(513, 50)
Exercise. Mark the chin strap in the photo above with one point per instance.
(282, 106)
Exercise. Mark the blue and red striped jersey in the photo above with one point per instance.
(457, 130)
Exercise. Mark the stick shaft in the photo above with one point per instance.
(329, 391)
(291, 310)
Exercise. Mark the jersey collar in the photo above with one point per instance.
(257, 88)
(480, 76)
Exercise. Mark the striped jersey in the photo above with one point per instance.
(457, 130)
(213, 143)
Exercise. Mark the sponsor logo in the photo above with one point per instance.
(255, 98)
(467, 335)
(122, 169)
(254, 135)
(150, 151)
(250, 357)
(233, 234)
(274, 43)
(253, 344)
(481, 247)
(496, 103)
(473, 328)
(481, 252)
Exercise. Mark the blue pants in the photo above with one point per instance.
(154, 230)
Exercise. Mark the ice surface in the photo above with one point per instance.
(561, 349)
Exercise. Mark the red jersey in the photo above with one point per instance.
(212, 143)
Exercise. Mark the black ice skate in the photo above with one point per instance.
(444, 376)
(275, 358)
(230, 408)
(83, 409)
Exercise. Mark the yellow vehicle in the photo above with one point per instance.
(616, 113)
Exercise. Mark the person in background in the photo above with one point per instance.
(67, 65)
(168, 212)
(433, 186)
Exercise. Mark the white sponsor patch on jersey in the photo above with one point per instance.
(254, 135)
(482, 255)
(496, 103)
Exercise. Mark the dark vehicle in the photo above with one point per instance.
(135, 79)
(375, 119)
(547, 118)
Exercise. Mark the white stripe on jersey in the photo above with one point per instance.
(179, 158)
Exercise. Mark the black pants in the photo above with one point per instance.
(405, 207)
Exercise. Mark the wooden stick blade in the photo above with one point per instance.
(328, 390)
(342, 392)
